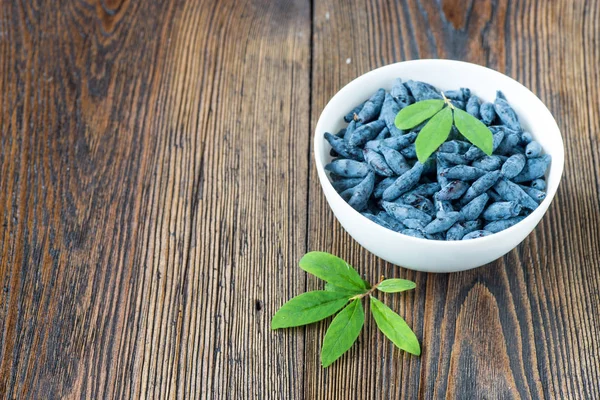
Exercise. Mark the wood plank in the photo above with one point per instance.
(525, 326)
(153, 187)
(155, 200)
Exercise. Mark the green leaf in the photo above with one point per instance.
(308, 308)
(350, 292)
(413, 115)
(474, 130)
(332, 269)
(396, 285)
(394, 327)
(342, 332)
(433, 134)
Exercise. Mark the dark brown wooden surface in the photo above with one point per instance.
(157, 190)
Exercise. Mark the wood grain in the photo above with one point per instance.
(151, 161)
(157, 190)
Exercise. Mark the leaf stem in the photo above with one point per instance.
(447, 101)
(360, 296)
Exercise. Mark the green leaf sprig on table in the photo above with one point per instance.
(345, 291)
(441, 115)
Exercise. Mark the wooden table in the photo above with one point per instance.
(157, 190)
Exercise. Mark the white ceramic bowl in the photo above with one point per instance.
(433, 255)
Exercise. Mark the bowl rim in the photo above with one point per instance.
(557, 163)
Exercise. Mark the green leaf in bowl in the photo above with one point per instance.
(433, 134)
(413, 115)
